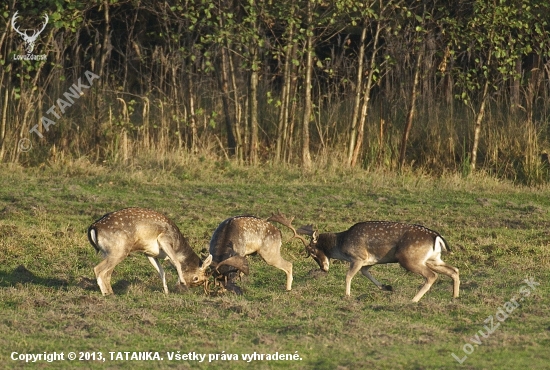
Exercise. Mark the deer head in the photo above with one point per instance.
(29, 40)
(312, 250)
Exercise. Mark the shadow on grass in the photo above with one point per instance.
(21, 275)
(120, 287)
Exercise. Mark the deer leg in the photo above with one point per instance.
(409, 255)
(354, 268)
(165, 246)
(451, 271)
(429, 276)
(156, 264)
(273, 258)
(99, 271)
(365, 271)
(104, 270)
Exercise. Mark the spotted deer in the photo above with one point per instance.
(365, 244)
(128, 230)
(241, 236)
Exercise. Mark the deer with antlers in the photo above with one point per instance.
(128, 230)
(29, 40)
(365, 244)
(241, 236)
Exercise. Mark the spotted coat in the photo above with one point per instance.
(415, 247)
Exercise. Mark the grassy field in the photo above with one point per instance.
(50, 302)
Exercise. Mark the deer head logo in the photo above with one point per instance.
(29, 40)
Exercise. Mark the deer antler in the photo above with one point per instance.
(236, 261)
(280, 218)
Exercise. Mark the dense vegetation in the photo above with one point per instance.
(443, 85)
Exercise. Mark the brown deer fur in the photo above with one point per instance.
(416, 248)
(122, 232)
(240, 236)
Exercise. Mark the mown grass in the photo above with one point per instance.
(50, 302)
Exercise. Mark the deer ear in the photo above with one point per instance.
(207, 262)
(305, 230)
(315, 236)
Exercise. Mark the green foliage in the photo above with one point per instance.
(165, 60)
(494, 35)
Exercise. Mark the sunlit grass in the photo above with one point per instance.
(50, 301)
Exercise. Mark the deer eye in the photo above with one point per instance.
(195, 278)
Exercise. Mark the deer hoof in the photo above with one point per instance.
(387, 288)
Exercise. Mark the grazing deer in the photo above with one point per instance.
(128, 230)
(240, 236)
(416, 248)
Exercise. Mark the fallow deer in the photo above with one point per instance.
(240, 236)
(128, 230)
(416, 248)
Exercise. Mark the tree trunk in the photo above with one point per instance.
(103, 71)
(533, 84)
(306, 156)
(282, 126)
(366, 97)
(192, 118)
(254, 112)
(515, 88)
(224, 80)
(477, 126)
(291, 107)
(237, 107)
(358, 95)
(410, 113)
(481, 112)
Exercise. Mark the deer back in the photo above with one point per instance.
(238, 237)
(372, 242)
(379, 240)
(244, 234)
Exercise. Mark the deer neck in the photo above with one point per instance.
(184, 253)
(327, 243)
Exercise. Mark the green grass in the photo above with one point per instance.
(50, 302)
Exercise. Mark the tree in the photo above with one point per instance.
(487, 43)
(368, 18)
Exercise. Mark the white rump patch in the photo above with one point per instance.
(93, 236)
(439, 245)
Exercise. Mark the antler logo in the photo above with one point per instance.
(29, 40)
